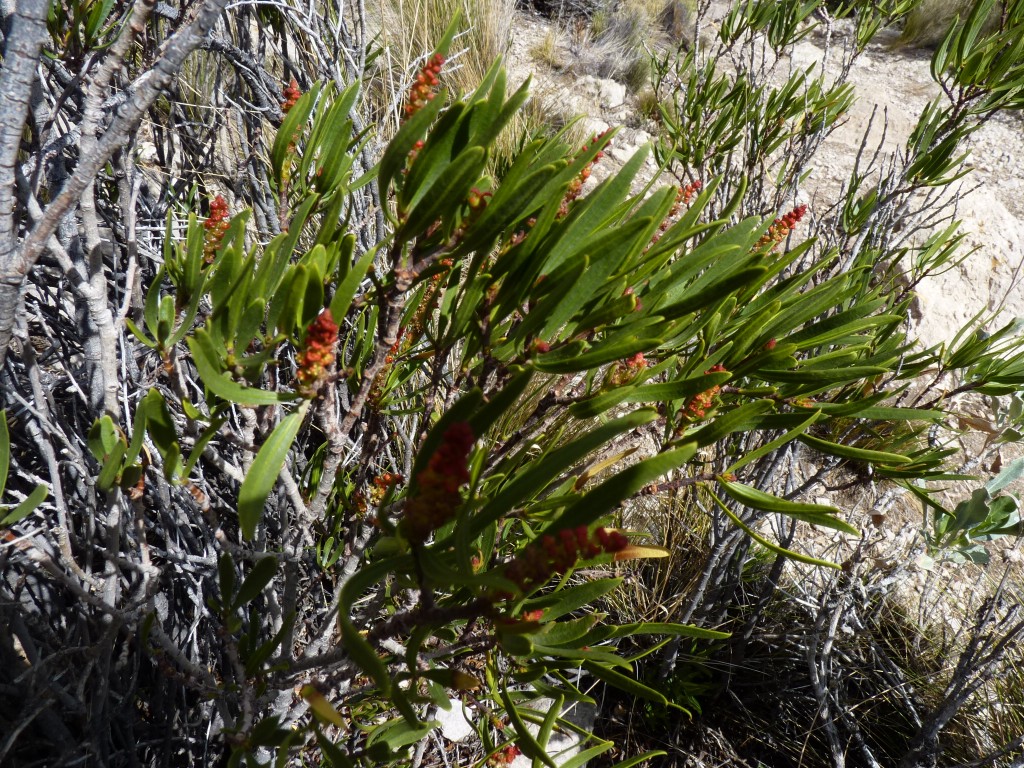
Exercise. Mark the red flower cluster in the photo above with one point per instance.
(551, 554)
(291, 95)
(477, 200)
(627, 370)
(687, 192)
(781, 227)
(437, 493)
(317, 353)
(684, 195)
(422, 90)
(576, 185)
(381, 484)
(504, 756)
(216, 226)
(698, 406)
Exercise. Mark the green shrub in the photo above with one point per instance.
(358, 476)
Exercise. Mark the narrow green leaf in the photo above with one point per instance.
(525, 741)
(639, 759)
(221, 384)
(412, 130)
(400, 733)
(586, 755)
(290, 128)
(899, 414)
(139, 334)
(602, 353)
(26, 507)
(770, 544)
(736, 420)
(778, 442)
(501, 403)
(346, 291)
(677, 390)
(564, 632)
(445, 193)
(263, 570)
(821, 376)
(535, 480)
(265, 469)
(111, 467)
(817, 514)
(548, 724)
(626, 684)
(851, 452)
(594, 210)
(605, 257)
(707, 295)
(509, 206)
(667, 628)
(567, 600)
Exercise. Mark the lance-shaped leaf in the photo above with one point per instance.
(770, 544)
(445, 194)
(620, 347)
(265, 468)
(26, 507)
(525, 738)
(322, 708)
(261, 574)
(291, 126)
(412, 130)
(778, 442)
(348, 287)
(567, 600)
(626, 683)
(532, 482)
(222, 385)
(852, 452)
(816, 514)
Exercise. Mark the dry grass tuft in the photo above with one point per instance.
(409, 30)
(929, 21)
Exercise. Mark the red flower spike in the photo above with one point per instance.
(317, 354)
(216, 227)
(422, 90)
(781, 228)
(687, 192)
(291, 96)
(437, 495)
(550, 555)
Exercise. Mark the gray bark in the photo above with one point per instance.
(21, 56)
(15, 262)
